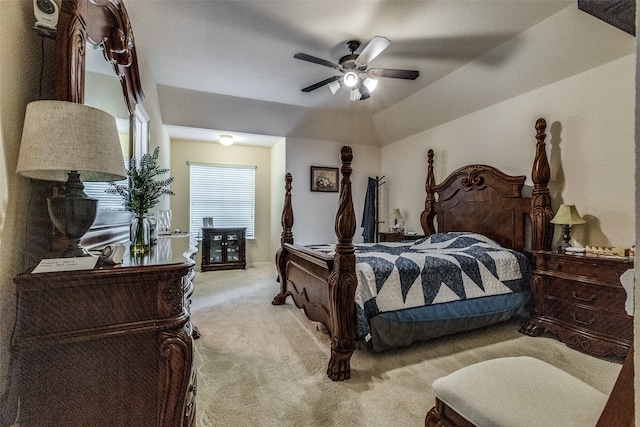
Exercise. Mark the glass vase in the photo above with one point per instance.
(153, 223)
(140, 235)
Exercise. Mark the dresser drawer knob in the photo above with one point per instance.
(582, 322)
(590, 298)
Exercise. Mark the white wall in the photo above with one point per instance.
(20, 64)
(278, 171)
(590, 144)
(182, 151)
(565, 44)
(315, 212)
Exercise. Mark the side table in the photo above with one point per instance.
(579, 298)
(398, 237)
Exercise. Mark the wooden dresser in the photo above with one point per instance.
(112, 346)
(581, 300)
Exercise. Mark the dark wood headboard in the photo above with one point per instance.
(482, 199)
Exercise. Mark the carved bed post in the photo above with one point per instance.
(541, 212)
(427, 216)
(286, 237)
(343, 281)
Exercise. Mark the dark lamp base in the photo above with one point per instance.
(566, 236)
(73, 213)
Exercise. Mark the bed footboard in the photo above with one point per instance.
(323, 286)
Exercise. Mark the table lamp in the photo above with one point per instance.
(567, 216)
(396, 215)
(65, 141)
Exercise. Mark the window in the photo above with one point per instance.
(224, 192)
(97, 189)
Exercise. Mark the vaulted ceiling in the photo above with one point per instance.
(240, 50)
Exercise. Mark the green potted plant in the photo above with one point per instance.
(143, 193)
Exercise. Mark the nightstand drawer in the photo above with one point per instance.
(592, 320)
(584, 267)
(599, 297)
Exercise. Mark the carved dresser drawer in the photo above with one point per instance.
(580, 299)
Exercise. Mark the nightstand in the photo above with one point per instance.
(398, 237)
(580, 299)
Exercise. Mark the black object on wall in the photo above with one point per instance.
(619, 13)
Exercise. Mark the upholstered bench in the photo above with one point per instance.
(513, 392)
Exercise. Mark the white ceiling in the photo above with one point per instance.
(213, 135)
(245, 49)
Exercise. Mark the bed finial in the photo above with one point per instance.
(286, 237)
(345, 225)
(426, 218)
(287, 212)
(342, 281)
(541, 212)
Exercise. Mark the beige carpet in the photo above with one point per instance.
(264, 365)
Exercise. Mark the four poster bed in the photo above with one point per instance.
(474, 271)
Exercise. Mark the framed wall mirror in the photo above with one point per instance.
(96, 64)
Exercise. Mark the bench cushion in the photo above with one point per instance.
(520, 391)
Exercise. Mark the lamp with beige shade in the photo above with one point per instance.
(567, 216)
(65, 141)
(398, 225)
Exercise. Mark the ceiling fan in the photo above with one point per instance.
(355, 71)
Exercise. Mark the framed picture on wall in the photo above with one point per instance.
(324, 179)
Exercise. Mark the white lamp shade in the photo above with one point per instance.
(396, 214)
(567, 215)
(371, 84)
(60, 136)
(334, 86)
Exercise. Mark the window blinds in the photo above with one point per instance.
(97, 190)
(224, 192)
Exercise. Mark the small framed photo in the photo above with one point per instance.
(324, 179)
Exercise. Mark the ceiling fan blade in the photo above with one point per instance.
(305, 57)
(373, 49)
(320, 84)
(394, 74)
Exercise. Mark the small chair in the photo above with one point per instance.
(524, 391)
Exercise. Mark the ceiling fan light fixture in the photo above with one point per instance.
(226, 140)
(371, 84)
(334, 86)
(354, 94)
(350, 79)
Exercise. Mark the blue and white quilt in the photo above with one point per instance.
(441, 268)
